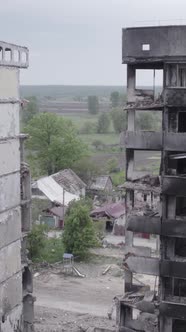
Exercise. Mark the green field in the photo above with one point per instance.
(110, 138)
(54, 95)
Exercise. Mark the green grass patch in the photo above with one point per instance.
(80, 119)
(118, 178)
(53, 250)
(110, 138)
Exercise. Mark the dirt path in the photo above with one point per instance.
(83, 295)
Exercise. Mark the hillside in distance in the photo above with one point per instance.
(68, 91)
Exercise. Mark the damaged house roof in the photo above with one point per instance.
(69, 180)
(113, 210)
(100, 182)
(53, 191)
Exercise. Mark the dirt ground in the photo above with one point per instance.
(73, 304)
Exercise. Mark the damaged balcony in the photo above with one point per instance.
(152, 225)
(143, 140)
(140, 99)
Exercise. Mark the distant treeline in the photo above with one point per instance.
(70, 92)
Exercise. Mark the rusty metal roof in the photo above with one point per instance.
(113, 210)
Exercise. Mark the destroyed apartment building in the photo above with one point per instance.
(161, 48)
(16, 300)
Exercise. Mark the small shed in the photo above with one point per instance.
(101, 183)
(114, 216)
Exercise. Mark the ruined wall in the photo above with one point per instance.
(11, 266)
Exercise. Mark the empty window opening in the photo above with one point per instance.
(167, 287)
(23, 57)
(27, 280)
(16, 55)
(173, 121)
(182, 76)
(8, 54)
(145, 197)
(180, 247)
(179, 325)
(181, 206)
(182, 122)
(176, 164)
(109, 226)
(148, 120)
(180, 287)
(145, 47)
(150, 81)
(147, 161)
(181, 166)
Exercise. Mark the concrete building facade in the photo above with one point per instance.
(16, 301)
(157, 48)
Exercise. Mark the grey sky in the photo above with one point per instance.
(79, 41)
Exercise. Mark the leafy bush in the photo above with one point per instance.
(42, 248)
(36, 241)
(103, 123)
(119, 120)
(79, 234)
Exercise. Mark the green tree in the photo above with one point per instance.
(115, 98)
(86, 169)
(36, 241)
(103, 123)
(79, 234)
(53, 143)
(29, 110)
(112, 165)
(93, 104)
(119, 120)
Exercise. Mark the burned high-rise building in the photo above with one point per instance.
(157, 48)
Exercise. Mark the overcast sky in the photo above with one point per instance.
(79, 41)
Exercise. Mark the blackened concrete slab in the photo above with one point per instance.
(153, 44)
(174, 185)
(144, 224)
(144, 140)
(175, 142)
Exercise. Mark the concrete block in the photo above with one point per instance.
(10, 156)
(9, 191)
(10, 226)
(10, 260)
(143, 265)
(145, 140)
(9, 83)
(13, 322)
(9, 120)
(11, 293)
